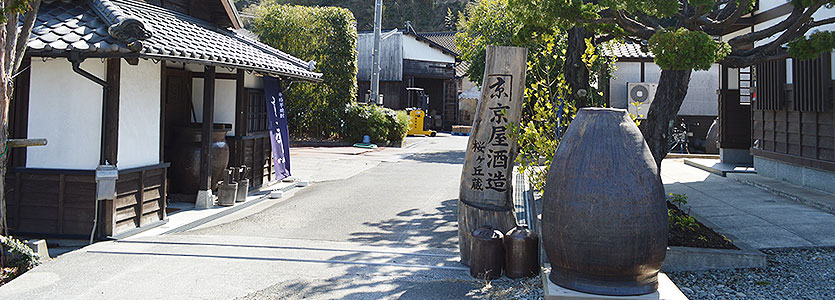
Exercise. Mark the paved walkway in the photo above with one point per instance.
(750, 214)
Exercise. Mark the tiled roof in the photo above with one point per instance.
(444, 39)
(625, 50)
(461, 68)
(125, 27)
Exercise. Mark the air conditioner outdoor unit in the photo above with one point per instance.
(640, 97)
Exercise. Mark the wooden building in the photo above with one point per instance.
(409, 59)
(108, 81)
(788, 131)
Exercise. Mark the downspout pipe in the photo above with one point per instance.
(76, 60)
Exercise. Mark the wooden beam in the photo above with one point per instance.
(23, 143)
(223, 76)
(241, 119)
(114, 70)
(162, 97)
(208, 128)
(20, 111)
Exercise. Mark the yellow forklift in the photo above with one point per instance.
(418, 119)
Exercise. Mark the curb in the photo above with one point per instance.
(702, 259)
(699, 259)
(824, 206)
(237, 207)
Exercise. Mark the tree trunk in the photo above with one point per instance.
(576, 72)
(672, 88)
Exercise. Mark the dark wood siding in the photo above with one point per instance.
(255, 152)
(812, 80)
(771, 81)
(56, 202)
(802, 130)
(428, 69)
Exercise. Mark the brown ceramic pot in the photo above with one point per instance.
(521, 250)
(604, 219)
(185, 163)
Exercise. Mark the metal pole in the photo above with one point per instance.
(375, 57)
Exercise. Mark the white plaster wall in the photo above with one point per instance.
(701, 99)
(652, 72)
(252, 81)
(224, 101)
(769, 4)
(417, 50)
(625, 72)
(139, 112)
(65, 108)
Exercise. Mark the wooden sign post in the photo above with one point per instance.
(486, 193)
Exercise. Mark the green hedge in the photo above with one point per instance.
(383, 125)
(328, 36)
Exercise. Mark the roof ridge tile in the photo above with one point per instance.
(123, 27)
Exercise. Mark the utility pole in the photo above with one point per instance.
(375, 57)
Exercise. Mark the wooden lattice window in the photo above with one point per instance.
(812, 80)
(771, 81)
(257, 114)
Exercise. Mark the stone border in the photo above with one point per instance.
(817, 199)
(702, 259)
(687, 258)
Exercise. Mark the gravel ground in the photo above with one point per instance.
(790, 274)
(505, 288)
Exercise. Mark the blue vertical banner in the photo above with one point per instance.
(279, 134)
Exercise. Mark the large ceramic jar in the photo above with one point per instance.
(604, 219)
(185, 163)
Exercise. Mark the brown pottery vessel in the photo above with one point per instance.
(604, 219)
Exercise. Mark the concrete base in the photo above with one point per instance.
(736, 156)
(205, 199)
(667, 290)
(795, 174)
(39, 247)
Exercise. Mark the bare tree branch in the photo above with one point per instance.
(753, 58)
(11, 39)
(721, 23)
(822, 22)
(604, 38)
(25, 31)
(767, 32)
(632, 26)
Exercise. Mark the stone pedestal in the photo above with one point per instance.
(667, 290)
(205, 199)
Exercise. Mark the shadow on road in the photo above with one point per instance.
(442, 278)
(455, 157)
(415, 228)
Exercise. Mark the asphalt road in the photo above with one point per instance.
(373, 225)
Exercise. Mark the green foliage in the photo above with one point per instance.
(683, 49)
(805, 48)
(15, 6)
(488, 22)
(656, 8)
(326, 35)
(425, 15)
(18, 255)
(484, 23)
(684, 222)
(382, 125)
(399, 126)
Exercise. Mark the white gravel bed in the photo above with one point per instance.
(790, 274)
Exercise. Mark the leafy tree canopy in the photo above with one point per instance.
(678, 32)
(425, 15)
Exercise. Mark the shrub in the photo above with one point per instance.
(399, 122)
(383, 125)
(326, 35)
(19, 257)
